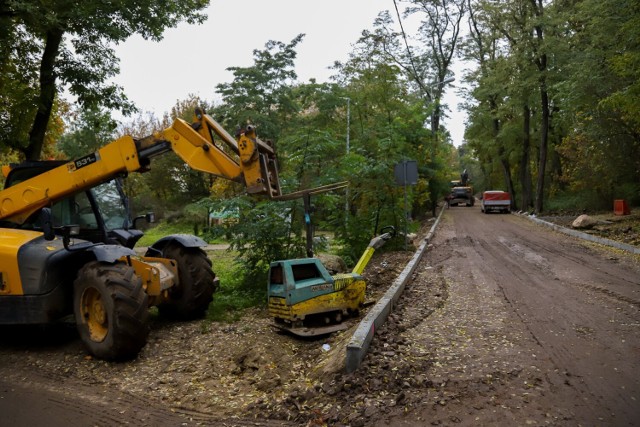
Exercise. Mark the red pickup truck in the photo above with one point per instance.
(495, 200)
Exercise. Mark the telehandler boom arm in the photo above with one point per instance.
(252, 162)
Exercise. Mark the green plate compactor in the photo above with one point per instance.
(306, 300)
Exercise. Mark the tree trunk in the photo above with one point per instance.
(544, 141)
(506, 170)
(525, 161)
(47, 94)
(504, 162)
(541, 62)
(508, 181)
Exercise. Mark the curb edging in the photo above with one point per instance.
(586, 236)
(361, 339)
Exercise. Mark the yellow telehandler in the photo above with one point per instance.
(67, 238)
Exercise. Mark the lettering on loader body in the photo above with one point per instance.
(84, 161)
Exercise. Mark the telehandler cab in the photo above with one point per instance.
(67, 238)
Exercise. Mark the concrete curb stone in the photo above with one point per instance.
(361, 339)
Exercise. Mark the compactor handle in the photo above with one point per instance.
(387, 233)
(375, 243)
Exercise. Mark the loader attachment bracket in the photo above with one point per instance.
(311, 191)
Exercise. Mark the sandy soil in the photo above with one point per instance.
(504, 323)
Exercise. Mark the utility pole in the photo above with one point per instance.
(348, 121)
(346, 205)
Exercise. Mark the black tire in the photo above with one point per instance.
(192, 296)
(111, 310)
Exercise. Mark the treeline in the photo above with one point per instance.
(356, 128)
(554, 111)
(554, 114)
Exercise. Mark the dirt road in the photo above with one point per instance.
(504, 323)
(537, 328)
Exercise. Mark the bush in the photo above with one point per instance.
(263, 233)
(582, 201)
(232, 297)
(630, 192)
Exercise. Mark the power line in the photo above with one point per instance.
(406, 43)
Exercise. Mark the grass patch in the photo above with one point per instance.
(232, 298)
(163, 229)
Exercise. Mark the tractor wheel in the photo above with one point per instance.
(111, 310)
(190, 298)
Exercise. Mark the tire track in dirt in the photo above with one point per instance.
(550, 284)
(480, 373)
(599, 273)
(79, 406)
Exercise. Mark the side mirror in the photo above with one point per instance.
(46, 218)
(67, 232)
(150, 217)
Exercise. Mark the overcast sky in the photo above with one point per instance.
(192, 59)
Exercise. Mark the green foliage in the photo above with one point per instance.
(262, 234)
(375, 201)
(577, 201)
(261, 94)
(91, 129)
(195, 213)
(45, 47)
(385, 127)
(605, 66)
(19, 70)
(232, 297)
(589, 53)
(601, 153)
(599, 173)
(629, 191)
(170, 185)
